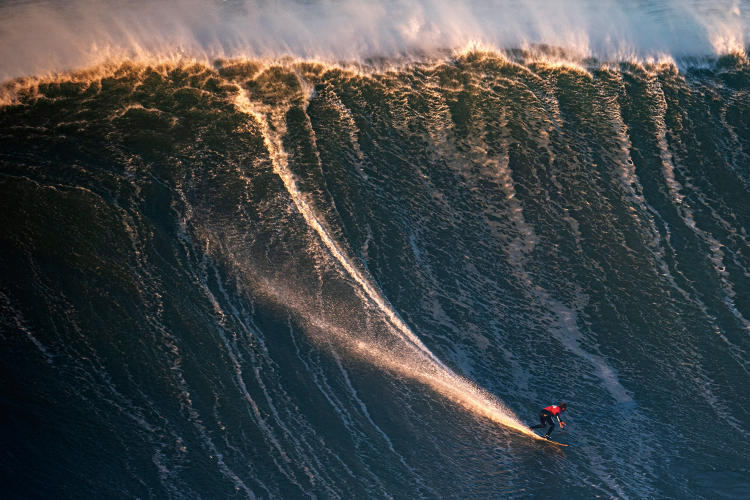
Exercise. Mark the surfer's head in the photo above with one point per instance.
(562, 406)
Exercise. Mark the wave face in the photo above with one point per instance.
(294, 279)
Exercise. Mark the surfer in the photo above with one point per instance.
(545, 417)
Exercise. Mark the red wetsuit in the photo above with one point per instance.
(554, 410)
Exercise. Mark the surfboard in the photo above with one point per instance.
(553, 442)
(540, 438)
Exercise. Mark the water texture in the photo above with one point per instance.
(256, 278)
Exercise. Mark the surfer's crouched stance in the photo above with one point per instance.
(545, 417)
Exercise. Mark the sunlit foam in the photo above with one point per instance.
(42, 37)
(400, 359)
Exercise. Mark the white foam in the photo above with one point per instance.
(41, 36)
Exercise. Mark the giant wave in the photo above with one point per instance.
(265, 277)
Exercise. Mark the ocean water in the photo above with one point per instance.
(230, 273)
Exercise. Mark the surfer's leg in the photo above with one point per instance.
(543, 423)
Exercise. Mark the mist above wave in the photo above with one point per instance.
(45, 36)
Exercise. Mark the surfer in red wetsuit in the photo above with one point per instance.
(546, 415)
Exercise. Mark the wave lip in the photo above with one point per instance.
(47, 36)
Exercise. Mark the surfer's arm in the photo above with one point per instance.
(562, 424)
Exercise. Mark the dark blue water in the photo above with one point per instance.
(272, 280)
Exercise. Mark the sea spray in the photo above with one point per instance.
(44, 36)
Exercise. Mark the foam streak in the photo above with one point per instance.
(425, 366)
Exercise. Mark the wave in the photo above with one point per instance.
(280, 278)
(40, 37)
